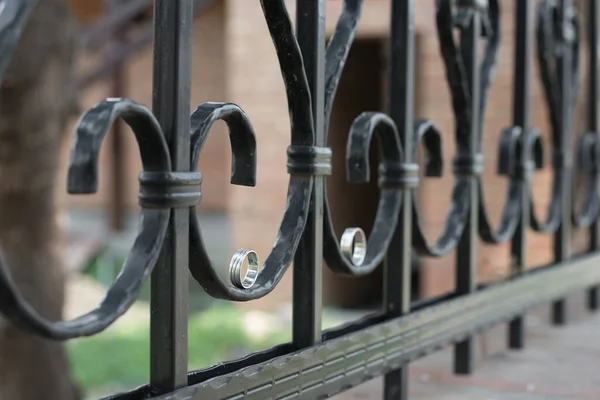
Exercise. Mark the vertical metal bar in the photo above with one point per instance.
(593, 119)
(562, 238)
(466, 257)
(308, 261)
(521, 116)
(397, 266)
(171, 103)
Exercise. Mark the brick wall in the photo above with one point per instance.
(87, 10)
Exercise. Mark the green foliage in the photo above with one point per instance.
(118, 359)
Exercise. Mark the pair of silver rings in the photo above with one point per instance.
(353, 245)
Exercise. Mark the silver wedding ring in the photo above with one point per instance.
(235, 268)
(354, 245)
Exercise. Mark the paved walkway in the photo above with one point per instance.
(557, 364)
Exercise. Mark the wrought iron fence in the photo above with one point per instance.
(319, 364)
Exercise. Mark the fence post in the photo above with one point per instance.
(397, 266)
(173, 21)
(521, 118)
(466, 254)
(562, 237)
(592, 25)
(308, 261)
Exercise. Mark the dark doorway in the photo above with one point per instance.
(362, 88)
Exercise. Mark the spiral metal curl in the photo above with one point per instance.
(588, 144)
(427, 134)
(513, 141)
(558, 39)
(305, 161)
(162, 189)
(510, 139)
(394, 177)
(553, 38)
(394, 174)
(588, 152)
(83, 178)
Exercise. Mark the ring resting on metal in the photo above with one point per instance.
(243, 146)
(236, 265)
(353, 245)
(365, 256)
(372, 346)
(362, 133)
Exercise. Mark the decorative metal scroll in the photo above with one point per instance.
(558, 42)
(304, 161)
(353, 255)
(162, 189)
(83, 178)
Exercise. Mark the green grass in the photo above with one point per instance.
(119, 358)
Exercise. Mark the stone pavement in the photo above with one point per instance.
(558, 363)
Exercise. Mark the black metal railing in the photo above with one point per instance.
(319, 364)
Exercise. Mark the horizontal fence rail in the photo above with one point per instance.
(319, 364)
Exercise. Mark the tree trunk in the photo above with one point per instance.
(36, 102)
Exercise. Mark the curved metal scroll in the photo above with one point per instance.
(244, 165)
(83, 178)
(588, 145)
(512, 142)
(357, 160)
(427, 133)
(588, 152)
(337, 52)
(393, 178)
(551, 42)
